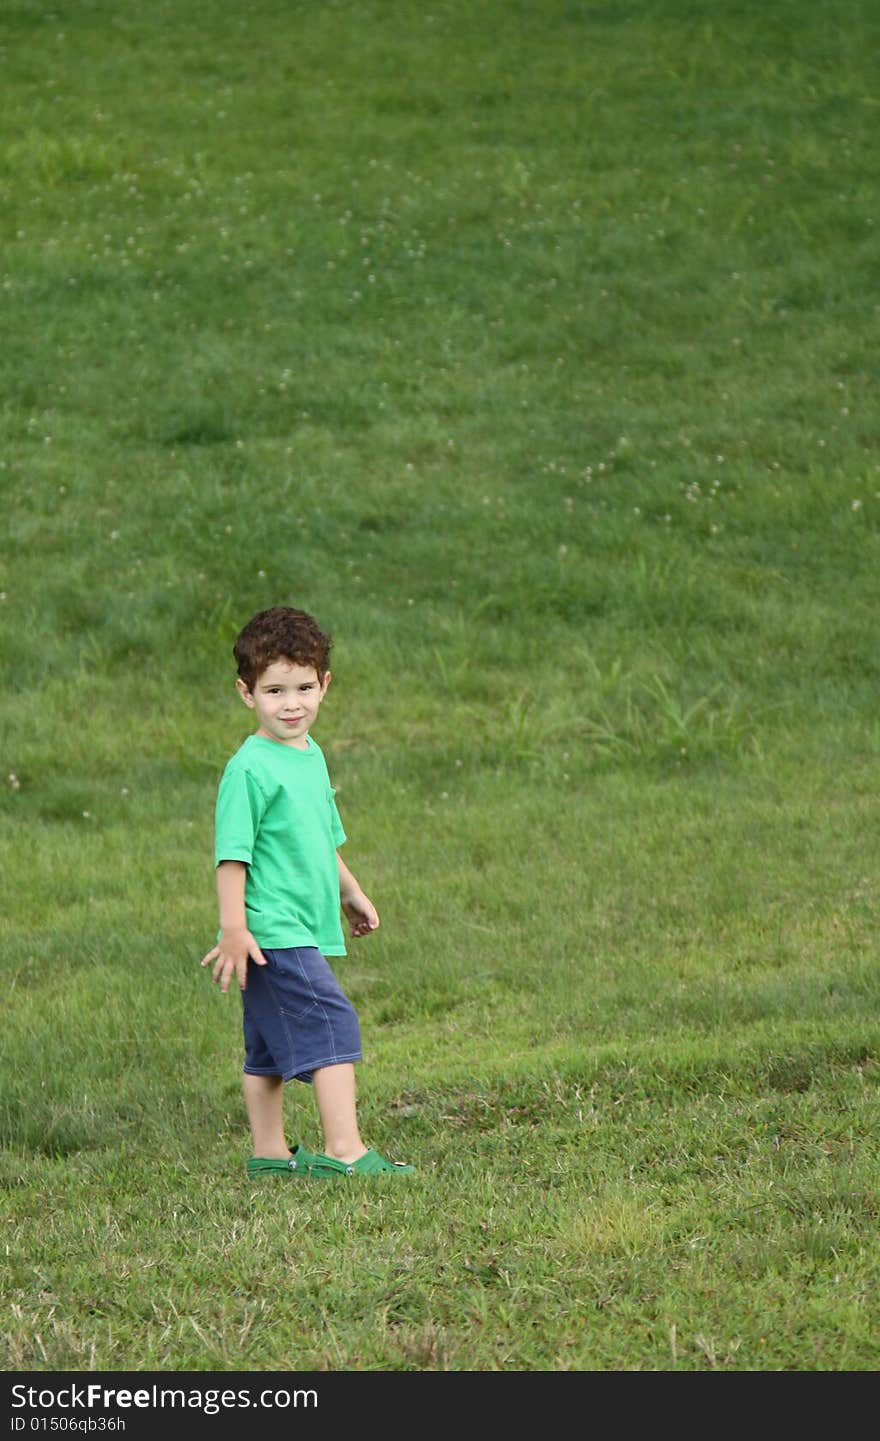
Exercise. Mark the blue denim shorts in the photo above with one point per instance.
(296, 1017)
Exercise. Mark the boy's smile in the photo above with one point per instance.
(286, 698)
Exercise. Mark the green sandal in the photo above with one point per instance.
(298, 1163)
(371, 1164)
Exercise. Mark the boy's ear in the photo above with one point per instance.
(244, 693)
(328, 676)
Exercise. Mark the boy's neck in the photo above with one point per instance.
(302, 744)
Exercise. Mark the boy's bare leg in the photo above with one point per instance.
(335, 1095)
(263, 1096)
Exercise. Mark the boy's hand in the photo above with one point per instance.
(232, 954)
(360, 913)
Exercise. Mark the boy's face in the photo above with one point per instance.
(286, 698)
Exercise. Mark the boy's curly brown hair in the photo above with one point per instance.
(281, 633)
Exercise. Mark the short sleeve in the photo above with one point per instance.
(339, 836)
(240, 807)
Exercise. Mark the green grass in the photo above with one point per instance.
(533, 348)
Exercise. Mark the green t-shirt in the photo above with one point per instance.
(276, 812)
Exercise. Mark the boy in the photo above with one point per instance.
(280, 885)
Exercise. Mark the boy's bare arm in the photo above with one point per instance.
(236, 945)
(359, 910)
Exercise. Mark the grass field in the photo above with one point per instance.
(533, 348)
